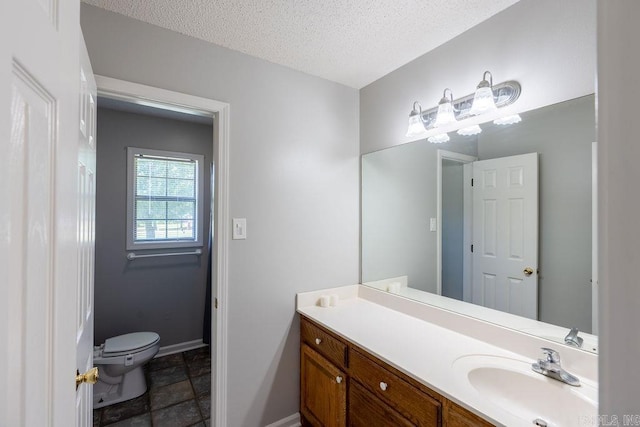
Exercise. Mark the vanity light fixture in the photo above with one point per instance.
(445, 110)
(423, 122)
(416, 125)
(483, 100)
(470, 130)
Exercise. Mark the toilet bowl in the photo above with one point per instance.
(119, 361)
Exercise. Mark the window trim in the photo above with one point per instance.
(199, 221)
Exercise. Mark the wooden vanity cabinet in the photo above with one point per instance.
(343, 385)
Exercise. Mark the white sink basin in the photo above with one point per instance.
(511, 386)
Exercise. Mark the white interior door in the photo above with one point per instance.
(86, 166)
(505, 234)
(39, 98)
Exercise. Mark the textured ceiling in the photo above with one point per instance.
(353, 42)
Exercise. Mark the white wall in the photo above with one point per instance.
(546, 45)
(294, 176)
(619, 207)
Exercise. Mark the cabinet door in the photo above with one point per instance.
(323, 390)
(366, 410)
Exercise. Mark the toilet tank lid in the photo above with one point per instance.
(130, 342)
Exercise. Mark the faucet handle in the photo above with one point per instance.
(573, 339)
(551, 355)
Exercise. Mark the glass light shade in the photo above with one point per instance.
(445, 114)
(483, 101)
(438, 139)
(469, 131)
(416, 127)
(508, 120)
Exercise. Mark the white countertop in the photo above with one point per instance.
(424, 342)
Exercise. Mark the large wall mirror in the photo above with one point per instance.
(516, 247)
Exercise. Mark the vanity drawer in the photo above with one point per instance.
(418, 407)
(324, 343)
(366, 410)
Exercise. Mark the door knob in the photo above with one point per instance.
(528, 271)
(90, 377)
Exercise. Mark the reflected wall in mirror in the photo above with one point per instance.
(400, 209)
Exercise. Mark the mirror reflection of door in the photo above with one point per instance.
(505, 234)
(489, 231)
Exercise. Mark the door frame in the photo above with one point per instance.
(220, 112)
(594, 238)
(442, 155)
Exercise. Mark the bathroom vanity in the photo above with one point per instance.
(377, 359)
(341, 381)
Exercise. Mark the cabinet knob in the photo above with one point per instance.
(338, 380)
(318, 341)
(383, 386)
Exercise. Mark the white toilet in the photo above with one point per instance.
(119, 361)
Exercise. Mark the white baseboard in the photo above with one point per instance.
(180, 347)
(290, 421)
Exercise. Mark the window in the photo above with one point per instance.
(164, 206)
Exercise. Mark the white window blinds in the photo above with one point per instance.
(164, 198)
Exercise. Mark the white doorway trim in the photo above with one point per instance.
(460, 158)
(594, 238)
(219, 111)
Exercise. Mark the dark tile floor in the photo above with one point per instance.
(178, 395)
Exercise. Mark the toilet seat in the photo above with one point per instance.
(129, 343)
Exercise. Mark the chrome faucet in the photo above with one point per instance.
(550, 367)
(573, 339)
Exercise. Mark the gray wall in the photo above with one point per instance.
(452, 228)
(562, 135)
(618, 208)
(294, 174)
(546, 45)
(398, 198)
(165, 295)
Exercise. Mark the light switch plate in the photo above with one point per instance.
(239, 228)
